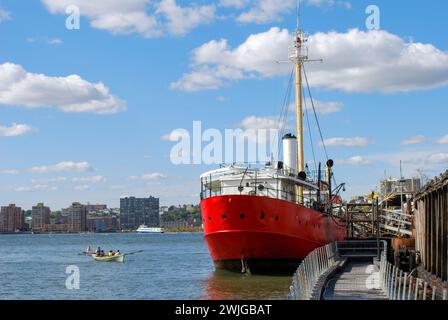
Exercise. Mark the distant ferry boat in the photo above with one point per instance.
(145, 229)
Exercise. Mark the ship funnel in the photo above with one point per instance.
(290, 152)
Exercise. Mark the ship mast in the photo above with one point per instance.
(298, 57)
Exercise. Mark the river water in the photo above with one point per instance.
(172, 266)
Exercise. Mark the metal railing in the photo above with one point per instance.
(315, 267)
(399, 285)
(254, 185)
(260, 190)
(397, 222)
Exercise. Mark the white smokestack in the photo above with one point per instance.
(290, 152)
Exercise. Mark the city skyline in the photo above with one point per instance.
(130, 85)
(132, 214)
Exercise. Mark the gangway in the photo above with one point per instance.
(353, 270)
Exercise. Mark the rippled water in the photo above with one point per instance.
(171, 267)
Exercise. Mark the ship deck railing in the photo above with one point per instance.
(307, 200)
(269, 169)
(251, 183)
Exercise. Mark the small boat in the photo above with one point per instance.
(114, 258)
(144, 229)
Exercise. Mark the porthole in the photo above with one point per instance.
(276, 218)
(242, 216)
(262, 216)
(209, 218)
(224, 216)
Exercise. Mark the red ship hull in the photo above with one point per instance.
(267, 234)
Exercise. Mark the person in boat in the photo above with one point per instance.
(117, 253)
(98, 252)
(111, 253)
(102, 253)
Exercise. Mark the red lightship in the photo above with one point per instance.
(268, 218)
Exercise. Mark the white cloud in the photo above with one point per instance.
(4, 15)
(264, 11)
(413, 160)
(153, 176)
(151, 18)
(182, 20)
(354, 61)
(215, 63)
(330, 3)
(355, 142)
(35, 188)
(414, 140)
(46, 40)
(149, 176)
(69, 94)
(443, 140)
(55, 41)
(205, 78)
(354, 161)
(237, 4)
(176, 135)
(94, 179)
(322, 107)
(63, 167)
(15, 130)
(147, 18)
(127, 23)
(117, 187)
(256, 123)
(438, 158)
(116, 16)
(49, 180)
(253, 127)
(82, 188)
(367, 61)
(10, 172)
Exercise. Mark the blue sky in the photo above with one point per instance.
(65, 139)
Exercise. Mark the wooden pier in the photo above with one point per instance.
(432, 226)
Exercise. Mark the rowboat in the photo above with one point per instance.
(114, 258)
